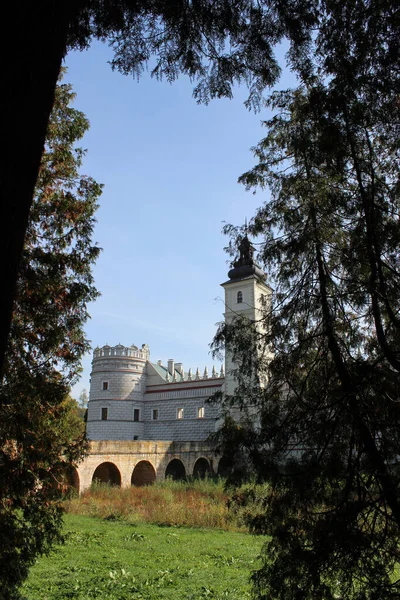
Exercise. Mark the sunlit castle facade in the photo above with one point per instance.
(133, 398)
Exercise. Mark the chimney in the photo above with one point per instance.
(159, 362)
(179, 368)
(171, 366)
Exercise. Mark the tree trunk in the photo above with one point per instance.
(31, 57)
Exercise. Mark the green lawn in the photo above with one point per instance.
(119, 560)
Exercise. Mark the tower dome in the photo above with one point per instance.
(245, 265)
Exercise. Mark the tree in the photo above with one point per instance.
(83, 404)
(74, 422)
(327, 442)
(40, 431)
(218, 42)
(83, 399)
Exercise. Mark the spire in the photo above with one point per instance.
(245, 265)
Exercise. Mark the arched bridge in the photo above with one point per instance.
(126, 463)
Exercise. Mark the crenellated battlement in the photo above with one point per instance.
(119, 350)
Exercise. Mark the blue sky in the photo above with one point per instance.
(169, 168)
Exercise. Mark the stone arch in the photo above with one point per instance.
(143, 474)
(225, 466)
(107, 472)
(175, 469)
(201, 468)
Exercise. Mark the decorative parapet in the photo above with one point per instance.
(175, 373)
(189, 376)
(120, 350)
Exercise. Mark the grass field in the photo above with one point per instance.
(121, 560)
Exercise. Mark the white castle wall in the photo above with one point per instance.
(125, 372)
(190, 398)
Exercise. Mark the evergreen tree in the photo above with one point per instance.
(327, 441)
(40, 431)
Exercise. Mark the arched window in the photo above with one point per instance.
(239, 299)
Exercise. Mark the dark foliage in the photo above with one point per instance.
(327, 436)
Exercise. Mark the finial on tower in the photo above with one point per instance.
(245, 265)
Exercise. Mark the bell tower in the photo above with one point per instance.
(248, 295)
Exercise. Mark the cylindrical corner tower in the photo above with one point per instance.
(117, 386)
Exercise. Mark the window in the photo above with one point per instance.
(155, 414)
(104, 414)
(135, 437)
(179, 413)
(239, 298)
(105, 385)
(136, 414)
(200, 412)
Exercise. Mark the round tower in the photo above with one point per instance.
(117, 386)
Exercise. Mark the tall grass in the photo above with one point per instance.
(193, 503)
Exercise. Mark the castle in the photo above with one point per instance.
(155, 415)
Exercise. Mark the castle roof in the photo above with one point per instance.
(165, 374)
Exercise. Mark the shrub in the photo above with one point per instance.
(191, 503)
